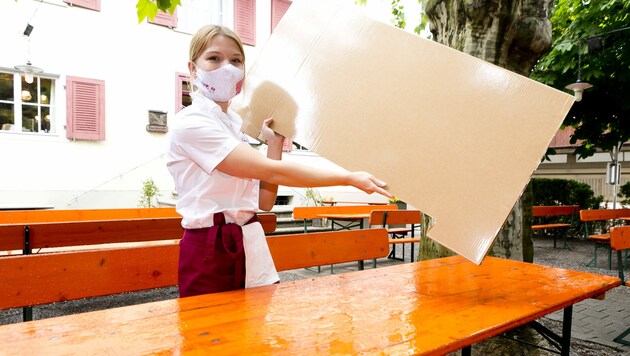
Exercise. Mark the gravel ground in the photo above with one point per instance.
(545, 254)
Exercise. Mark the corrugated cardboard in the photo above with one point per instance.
(452, 135)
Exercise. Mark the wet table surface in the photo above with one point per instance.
(429, 307)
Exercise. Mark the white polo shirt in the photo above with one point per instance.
(199, 139)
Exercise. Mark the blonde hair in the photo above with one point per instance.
(200, 40)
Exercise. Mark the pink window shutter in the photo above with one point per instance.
(278, 9)
(88, 4)
(85, 105)
(245, 20)
(165, 19)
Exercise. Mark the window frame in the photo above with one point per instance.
(18, 103)
(180, 90)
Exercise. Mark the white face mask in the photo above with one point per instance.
(221, 84)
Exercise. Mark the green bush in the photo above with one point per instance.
(149, 194)
(624, 193)
(553, 191)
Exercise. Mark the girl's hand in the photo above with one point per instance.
(369, 184)
(268, 135)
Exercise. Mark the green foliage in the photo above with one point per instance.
(550, 191)
(624, 193)
(149, 8)
(313, 197)
(398, 12)
(599, 117)
(149, 192)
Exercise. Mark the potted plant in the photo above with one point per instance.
(401, 204)
(150, 191)
(312, 197)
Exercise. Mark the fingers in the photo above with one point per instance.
(370, 184)
(379, 188)
(378, 182)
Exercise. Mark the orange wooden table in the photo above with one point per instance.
(429, 307)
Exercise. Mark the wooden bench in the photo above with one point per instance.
(31, 233)
(407, 219)
(354, 215)
(620, 242)
(608, 218)
(314, 212)
(12, 221)
(95, 227)
(541, 213)
(29, 280)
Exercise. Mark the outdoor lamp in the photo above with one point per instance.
(28, 71)
(613, 173)
(578, 88)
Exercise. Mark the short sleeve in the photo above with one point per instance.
(204, 142)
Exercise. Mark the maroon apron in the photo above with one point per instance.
(212, 259)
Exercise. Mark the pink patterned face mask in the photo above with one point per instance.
(221, 84)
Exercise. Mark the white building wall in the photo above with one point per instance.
(138, 63)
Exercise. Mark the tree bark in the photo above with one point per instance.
(512, 34)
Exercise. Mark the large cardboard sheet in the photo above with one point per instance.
(452, 135)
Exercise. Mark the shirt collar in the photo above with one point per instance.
(209, 106)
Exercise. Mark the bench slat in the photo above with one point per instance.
(555, 210)
(312, 212)
(549, 226)
(600, 237)
(103, 232)
(40, 216)
(325, 248)
(620, 238)
(404, 240)
(82, 233)
(406, 217)
(55, 277)
(603, 214)
(11, 237)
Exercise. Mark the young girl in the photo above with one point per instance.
(222, 181)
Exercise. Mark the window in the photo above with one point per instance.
(182, 91)
(88, 4)
(245, 20)
(278, 9)
(85, 102)
(26, 107)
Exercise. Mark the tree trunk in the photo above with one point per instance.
(512, 34)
